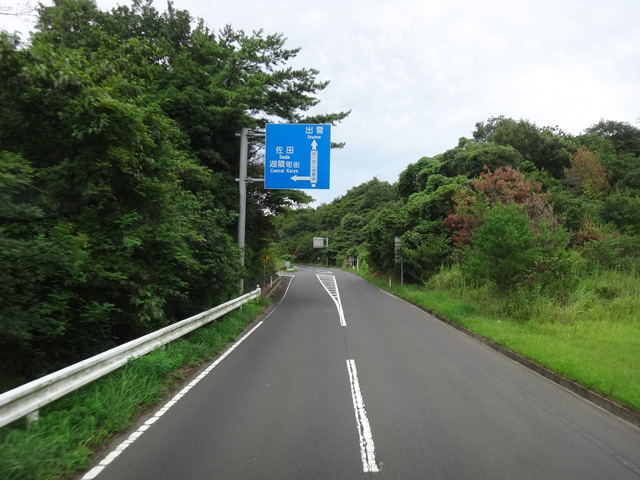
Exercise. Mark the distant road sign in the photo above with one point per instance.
(297, 156)
(320, 242)
(398, 246)
(265, 257)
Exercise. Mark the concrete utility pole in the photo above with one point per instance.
(242, 184)
(243, 180)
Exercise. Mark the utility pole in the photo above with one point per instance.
(242, 184)
(243, 180)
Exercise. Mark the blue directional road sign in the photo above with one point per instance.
(297, 156)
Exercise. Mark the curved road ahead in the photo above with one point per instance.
(339, 380)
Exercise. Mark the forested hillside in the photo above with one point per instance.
(516, 205)
(118, 159)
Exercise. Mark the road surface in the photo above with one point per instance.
(339, 380)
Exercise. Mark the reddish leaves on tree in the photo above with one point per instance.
(464, 218)
(503, 185)
(587, 175)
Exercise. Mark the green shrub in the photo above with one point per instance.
(449, 278)
(504, 249)
(620, 252)
(511, 252)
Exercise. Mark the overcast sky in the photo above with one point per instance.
(418, 74)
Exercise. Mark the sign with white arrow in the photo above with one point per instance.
(297, 156)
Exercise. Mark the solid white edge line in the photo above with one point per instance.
(337, 301)
(283, 297)
(367, 448)
(93, 473)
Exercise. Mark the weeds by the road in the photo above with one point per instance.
(590, 334)
(61, 442)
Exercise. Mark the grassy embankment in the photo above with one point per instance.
(591, 336)
(69, 430)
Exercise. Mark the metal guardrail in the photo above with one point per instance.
(29, 397)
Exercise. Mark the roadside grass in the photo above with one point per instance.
(72, 428)
(591, 335)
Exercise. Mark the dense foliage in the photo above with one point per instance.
(118, 159)
(517, 206)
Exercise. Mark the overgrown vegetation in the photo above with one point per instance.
(118, 159)
(70, 429)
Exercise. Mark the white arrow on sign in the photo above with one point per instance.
(313, 169)
(295, 178)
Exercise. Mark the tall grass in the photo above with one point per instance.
(61, 442)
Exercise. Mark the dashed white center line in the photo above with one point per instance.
(367, 448)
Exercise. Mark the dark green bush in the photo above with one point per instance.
(620, 252)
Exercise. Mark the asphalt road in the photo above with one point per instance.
(350, 382)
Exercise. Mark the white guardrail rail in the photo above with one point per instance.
(29, 397)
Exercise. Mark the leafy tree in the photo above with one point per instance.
(473, 158)
(304, 220)
(415, 176)
(619, 252)
(341, 221)
(39, 259)
(624, 136)
(587, 175)
(546, 148)
(589, 231)
(365, 200)
(508, 251)
(106, 161)
(348, 237)
(465, 217)
(424, 249)
(622, 210)
(380, 234)
(504, 247)
(426, 240)
(501, 186)
(623, 167)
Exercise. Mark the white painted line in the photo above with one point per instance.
(93, 473)
(331, 286)
(367, 448)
